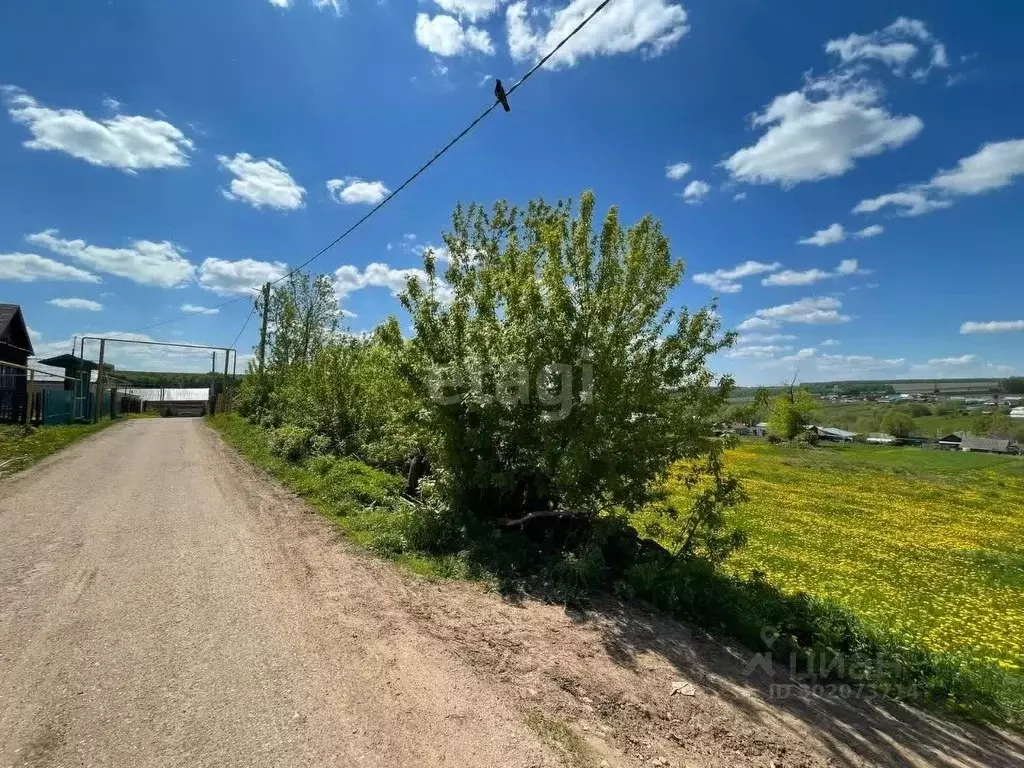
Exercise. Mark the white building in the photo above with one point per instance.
(1017, 413)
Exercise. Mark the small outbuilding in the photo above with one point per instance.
(974, 444)
(952, 442)
(833, 434)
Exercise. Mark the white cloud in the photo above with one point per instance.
(236, 277)
(849, 267)
(873, 231)
(831, 343)
(994, 166)
(789, 278)
(992, 326)
(353, 190)
(145, 262)
(444, 36)
(808, 277)
(29, 267)
(474, 10)
(86, 304)
(725, 280)
(1001, 368)
(740, 196)
(858, 364)
(193, 309)
(820, 132)
(696, 191)
(954, 362)
(804, 354)
(750, 338)
(349, 279)
(335, 5)
(828, 236)
(112, 104)
(648, 26)
(677, 171)
(756, 352)
(810, 311)
(129, 142)
(895, 46)
(261, 182)
(914, 203)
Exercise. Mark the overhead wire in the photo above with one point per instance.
(391, 195)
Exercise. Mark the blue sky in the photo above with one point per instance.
(159, 156)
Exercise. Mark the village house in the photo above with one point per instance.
(15, 350)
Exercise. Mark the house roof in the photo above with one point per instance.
(956, 437)
(11, 318)
(834, 431)
(995, 445)
(70, 361)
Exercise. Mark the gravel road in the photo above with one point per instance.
(163, 605)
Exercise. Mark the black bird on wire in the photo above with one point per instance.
(499, 94)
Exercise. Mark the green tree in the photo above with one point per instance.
(554, 379)
(303, 318)
(897, 423)
(791, 412)
(993, 425)
(1013, 385)
(946, 408)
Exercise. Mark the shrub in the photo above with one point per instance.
(898, 424)
(538, 297)
(290, 442)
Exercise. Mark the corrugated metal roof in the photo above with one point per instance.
(994, 445)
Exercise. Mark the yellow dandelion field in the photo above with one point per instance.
(927, 543)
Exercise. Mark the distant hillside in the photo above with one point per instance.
(946, 387)
(176, 380)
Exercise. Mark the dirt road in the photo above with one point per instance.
(151, 614)
(163, 604)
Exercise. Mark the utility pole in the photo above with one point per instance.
(98, 413)
(263, 326)
(213, 382)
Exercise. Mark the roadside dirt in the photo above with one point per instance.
(163, 603)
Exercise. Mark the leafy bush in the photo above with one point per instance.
(290, 442)
(553, 378)
(916, 410)
(898, 424)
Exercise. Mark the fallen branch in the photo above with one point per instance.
(541, 513)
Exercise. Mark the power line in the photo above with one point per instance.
(436, 156)
(244, 326)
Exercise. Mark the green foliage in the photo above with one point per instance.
(290, 442)
(996, 425)
(945, 408)
(897, 423)
(790, 413)
(1013, 385)
(554, 377)
(914, 410)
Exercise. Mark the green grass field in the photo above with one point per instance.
(924, 543)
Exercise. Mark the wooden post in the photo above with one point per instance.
(213, 383)
(99, 381)
(263, 326)
(31, 392)
(234, 365)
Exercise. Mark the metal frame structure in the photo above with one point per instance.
(103, 348)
